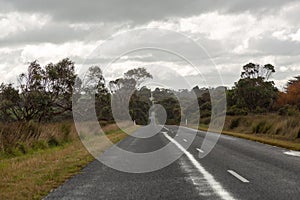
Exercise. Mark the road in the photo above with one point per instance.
(235, 169)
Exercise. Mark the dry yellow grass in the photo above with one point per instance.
(34, 175)
(266, 139)
(272, 124)
(270, 128)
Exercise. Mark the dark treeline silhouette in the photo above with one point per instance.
(45, 94)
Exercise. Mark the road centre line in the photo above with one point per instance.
(236, 175)
(216, 186)
(184, 140)
(199, 150)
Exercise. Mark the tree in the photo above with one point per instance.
(43, 92)
(35, 101)
(9, 103)
(292, 94)
(139, 105)
(122, 89)
(253, 91)
(254, 71)
(140, 75)
(59, 80)
(94, 84)
(172, 108)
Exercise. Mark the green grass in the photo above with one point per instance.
(34, 174)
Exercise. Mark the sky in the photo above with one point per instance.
(217, 37)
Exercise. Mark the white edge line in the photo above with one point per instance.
(292, 153)
(166, 128)
(216, 186)
(236, 175)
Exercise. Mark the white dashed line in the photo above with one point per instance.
(199, 150)
(216, 186)
(184, 140)
(236, 175)
(166, 128)
(292, 153)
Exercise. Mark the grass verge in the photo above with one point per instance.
(32, 176)
(261, 138)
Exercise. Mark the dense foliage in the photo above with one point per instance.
(45, 93)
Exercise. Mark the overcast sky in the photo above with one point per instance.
(232, 32)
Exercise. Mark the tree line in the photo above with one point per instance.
(45, 93)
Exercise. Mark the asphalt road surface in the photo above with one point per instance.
(234, 169)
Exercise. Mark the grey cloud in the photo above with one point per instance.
(52, 33)
(269, 45)
(58, 33)
(138, 11)
(123, 14)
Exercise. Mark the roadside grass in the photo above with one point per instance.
(33, 175)
(266, 139)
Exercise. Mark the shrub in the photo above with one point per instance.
(236, 111)
(259, 110)
(30, 130)
(261, 127)
(292, 123)
(53, 142)
(41, 144)
(22, 148)
(206, 106)
(205, 113)
(288, 110)
(235, 123)
(65, 130)
(278, 130)
(298, 134)
(206, 121)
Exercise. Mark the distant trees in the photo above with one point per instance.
(93, 83)
(168, 99)
(139, 75)
(45, 93)
(139, 106)
(125, 91)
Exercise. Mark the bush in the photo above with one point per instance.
(236, 111)
(41, 144)
(22, 148)
(235, 123)
(53, 142)
(278, 130)
(206, 106)
(206, 121)
(66, 130)
(31, 130)
(292, 123)
(262, 127)
(205, 113)
(298, 134)
(259, 110)
(14, 136)
(288, 110)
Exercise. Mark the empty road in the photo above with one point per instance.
(235, 169)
